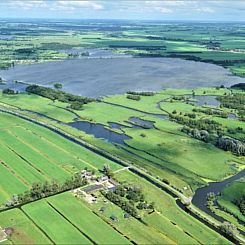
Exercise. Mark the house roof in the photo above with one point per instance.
(113, 217)
(92, 188)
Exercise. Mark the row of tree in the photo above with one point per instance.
(210, 111)
(198, 134)
(133, 97)
(9, 91)
(229, 144)
(201, 124)
(122, 203)
(241, 204)
(141, 93)
(223, 142)
(75, 101)
(129, 198)
(41, 190)
(234, 101)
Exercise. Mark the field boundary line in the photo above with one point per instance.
(41, 229)
(9, 169)
(70, 222)
(61, 148)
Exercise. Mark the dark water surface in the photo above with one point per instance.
(209, 100)
(200, 197)
(107, 76)
(99, 131)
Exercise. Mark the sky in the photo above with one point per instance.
(199, 10)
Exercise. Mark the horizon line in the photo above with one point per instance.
(118, 19)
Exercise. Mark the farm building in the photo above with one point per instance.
(114, 218)
(93, 188)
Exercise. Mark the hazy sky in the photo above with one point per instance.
(219, 10)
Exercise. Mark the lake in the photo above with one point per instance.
(102, 76)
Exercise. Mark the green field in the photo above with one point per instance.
(56, 227)
(30, 153)
(186, 146)
(86, 221)
(229, 195)
(24, 230)
(169, 213)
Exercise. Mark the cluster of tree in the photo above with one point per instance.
(190, 115)
(210, 200)
(122, 203)
(41, 190)
(75, 55)
(9, 91)
(141, 93)
(1, 80)
(198, 134)
(58, 85)
(133, 97)
(178, 97)
(210, 111)
(107, 171)
(234, 101)
(5, 65)
(229, 229)
(241, 204)
(76, 102)
(235, 130)
(239, 86)
(129, 198)
(229, 144)
(201, 124)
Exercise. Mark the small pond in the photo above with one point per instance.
(141, 123)
(209, 100)
(232, 116)
(100, 131)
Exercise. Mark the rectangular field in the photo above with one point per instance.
(31, 153)
(54, 225)
(81, 217)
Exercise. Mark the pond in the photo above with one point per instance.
(95, 53)
(96, 77)
(209, 100)
(100, 131)
(141, 123)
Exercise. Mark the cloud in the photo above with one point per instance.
(79, 4)
(205, 10)
(53, 5)
(26, 5)
(126, 9)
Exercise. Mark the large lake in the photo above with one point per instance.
(97, 76)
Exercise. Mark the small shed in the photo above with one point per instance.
(113, 218)
(93, 188)
(126, 216)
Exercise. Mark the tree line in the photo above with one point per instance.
(141, 93)
(76, 102)
(234, 101)
(129, 198)
(42, 190)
